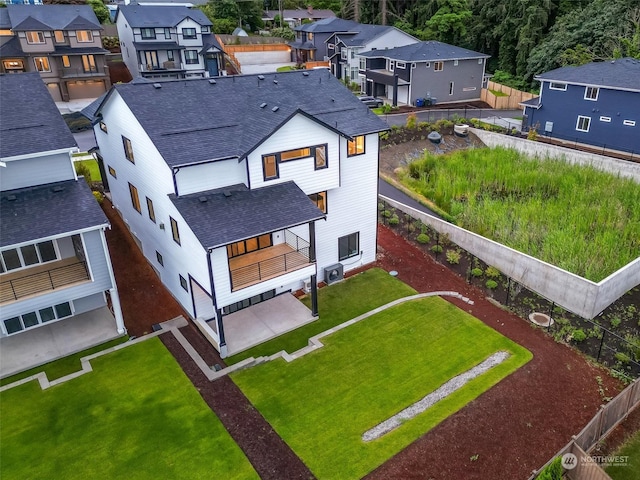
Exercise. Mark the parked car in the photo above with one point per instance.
(371, 102)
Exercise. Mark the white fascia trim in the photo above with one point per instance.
(42, 154)
(55, 237)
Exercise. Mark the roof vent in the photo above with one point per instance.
(12, 198)
(202, 199)
(305, 74)
(275, 109)
(157, 85)
(57, 188)
(263, 104)
(275, 81)
(227, 193)
(260, 77)
(212, 81)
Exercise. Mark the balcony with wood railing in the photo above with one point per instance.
(42, 279)
(270, 262)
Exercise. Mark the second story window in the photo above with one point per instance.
(66, 63)
(128, 149)
(309, 36)
(438, 66)
(269, 167)
(148, 33)
(189, 33)
(58, 35)
(42, 64)
(135, 199)
(35, 37)
(343, 54)
(84, 36)
(191, 57)
(355, 146)
(591, 93)
(174, 230)
(320, 200)
(330, 46)
(167, 34)
(89, 63)
(363, 63)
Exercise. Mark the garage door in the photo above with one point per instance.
(54, 90)
(403, 94)
(85, 89)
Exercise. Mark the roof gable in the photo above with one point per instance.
(621, 74)
(150, 16)
(429, 51)
(52, 17)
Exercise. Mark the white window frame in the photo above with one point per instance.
(392, 65)
(89, 36)
(561, 87)
(413, 65)
(605, 119)
(451, 87)
(401, 65)
(436, 64)
(187, 59)
(629, 123)
(40, 40)
(48, 62)
(330, 46)
(455, 62)
(21, 258)
(362, 63)
(480, 60)
(343, 54)
(427, 65)
(591, 90)
(582, 117)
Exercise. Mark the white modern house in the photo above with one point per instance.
(164, 42)
(57, 289)
(250, 189)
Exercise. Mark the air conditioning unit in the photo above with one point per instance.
(333, 273)
(306, 288)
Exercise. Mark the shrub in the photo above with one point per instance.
(387, 214)
(98, 196)
(453, 257)
(615, 322)
(492, 272)
(423, 238)
(394, 220)
(380, 206)
(491, 284)
(532, 135)
(476, 272)
(553, 471)
(412, 120)
(622, 357)
(436, 249)
(386, 108)
(579, 335)
(82, 169)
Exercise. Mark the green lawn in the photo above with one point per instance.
(64, 366)
(336, 304)
(135, 416)
(94, 171)
(631, 469)
(322, 403)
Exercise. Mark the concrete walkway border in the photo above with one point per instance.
(179, 322)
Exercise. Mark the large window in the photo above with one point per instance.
(174, 230)
(348, 246)
(35, 37)
(438, 66)
(189, 33)
(31, 319)
(135, 199)
(355, 146)
(269, 167)
(42, 64)
(583, 123)
(363, 63)
(249, 245)
(128, 149)
(270, 162)
(84, 36)
(89, 64)
(152, 212)
(167, 34)
(191, 57)
(591, 93)
(58, 35)
(66, 63)
(148, 33)
(27, 255)
(320, 199)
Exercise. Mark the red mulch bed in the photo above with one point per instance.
(514, 427)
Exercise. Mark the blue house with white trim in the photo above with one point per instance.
(597, 104)
(58, 294)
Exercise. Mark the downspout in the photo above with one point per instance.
(395, 90)
(174, 172)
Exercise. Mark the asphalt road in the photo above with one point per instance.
(390, 191)
(437, 114)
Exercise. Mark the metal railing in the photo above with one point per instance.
(164, 66)
(81, 72)
(34, 283)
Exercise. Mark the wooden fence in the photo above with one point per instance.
(510, 100)
(602, 424)
(310, 65)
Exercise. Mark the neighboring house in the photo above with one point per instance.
(343, 48)
(22, 2)
(61, 42)
(296, 16)
(309, 44)
(425, 70)
(168, 42)
(248, 189)
(597, 103)
(55, 271)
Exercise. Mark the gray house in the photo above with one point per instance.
(61, 42)
(430, 70)
(57, 290)
(310, 42)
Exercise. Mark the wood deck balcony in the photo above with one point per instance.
(41, 279)
(265, 264)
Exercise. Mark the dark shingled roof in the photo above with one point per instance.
(53, 17)
(223, 118)
(365, 33)
(29, 119)
(262, 210)
(5, 21)
(302, 45)
(209, 41)
(12, 48)
(150, 16)
(329, 25)
(41, 212)
(430, 51)
(621, 74)
(65, 50)
(533, 102)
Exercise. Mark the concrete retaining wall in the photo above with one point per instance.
(576, 294)
(542, 150)
(263, 58)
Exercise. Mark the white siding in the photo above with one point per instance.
(203, 303)
(129, 55)
(207, 176)
(391, 39)
(36, 171)
(299, 132)
(152, 177)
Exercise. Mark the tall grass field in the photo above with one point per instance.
(578, 218)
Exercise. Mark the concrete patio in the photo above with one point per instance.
(257, 324)
(47, 343)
